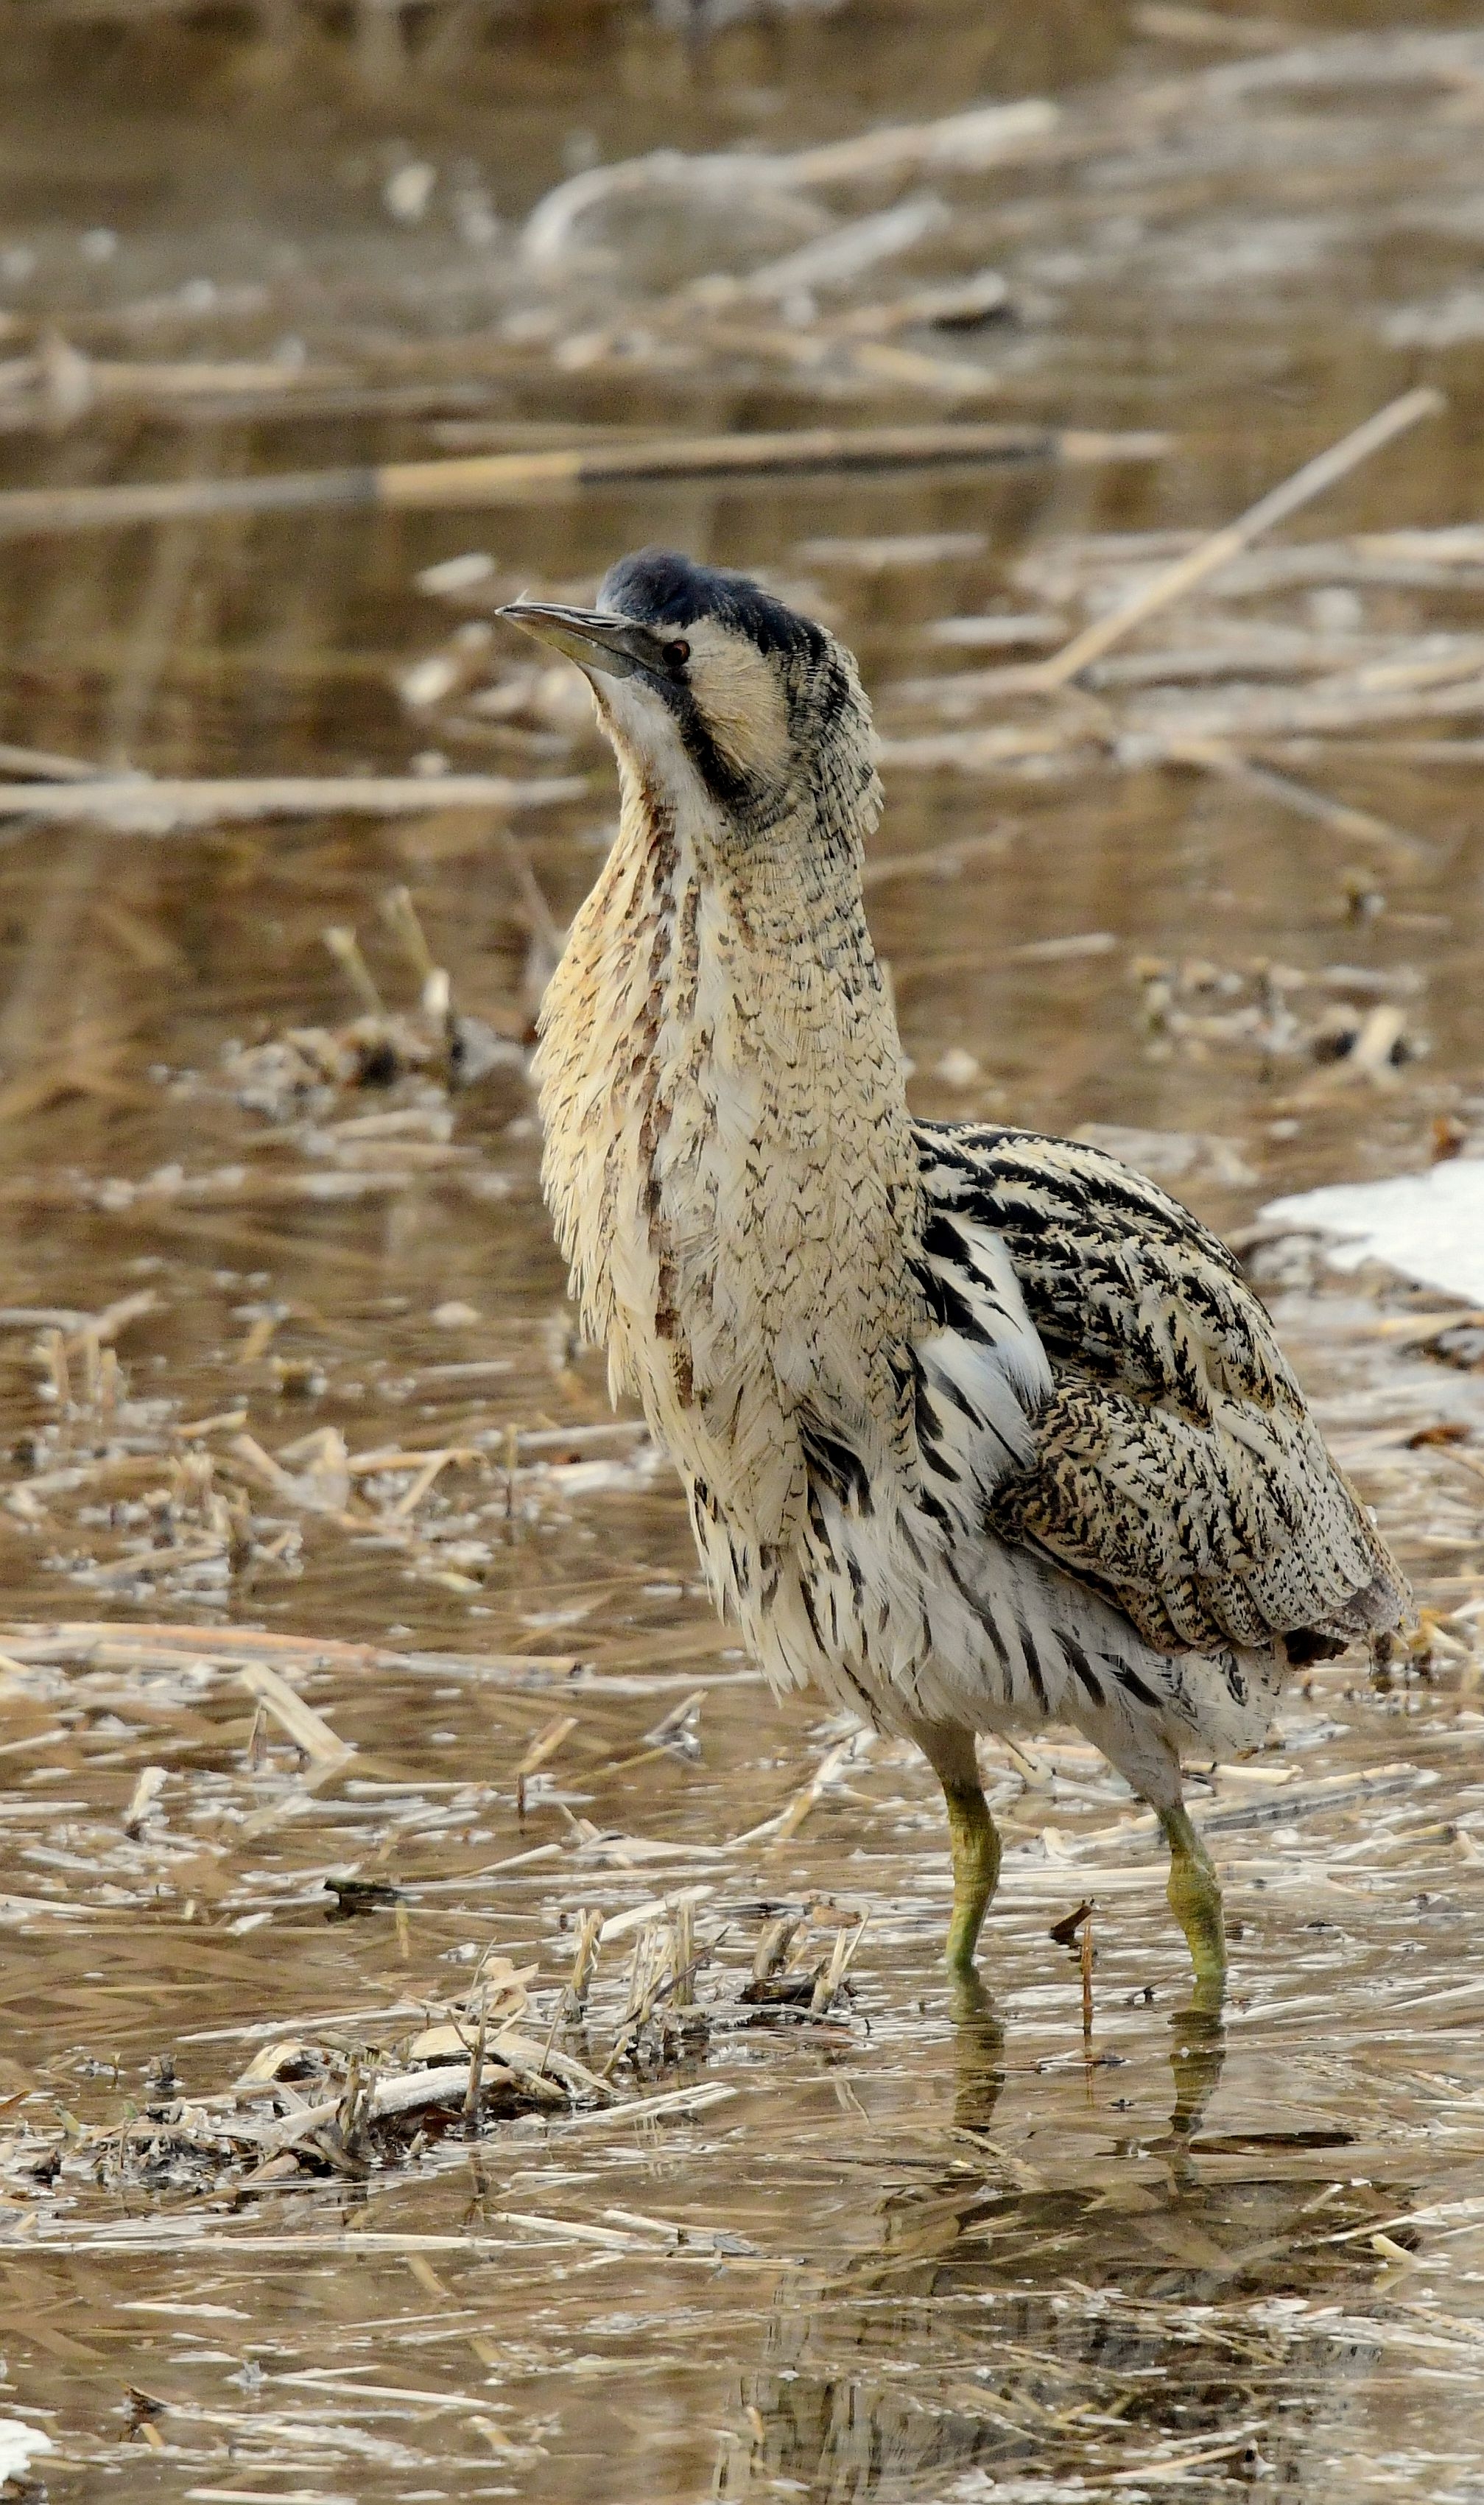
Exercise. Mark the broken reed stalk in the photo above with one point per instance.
(1316, 476)
(533, 477)
(400, 914)
(545, 1745)
(146, 1791)
(1087, 1974)
(585, 1957)
(46, 764)
(774, 1942)
(1264, 782)
(476, 2077)
(686, 1961)
(308, 1730)
(345, 949)
(137, 804)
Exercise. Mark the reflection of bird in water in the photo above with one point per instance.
(1197, 2058)
(977, 1428)
(1019, 2307)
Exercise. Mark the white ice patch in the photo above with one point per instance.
(19, 2444)
(1428, 1226)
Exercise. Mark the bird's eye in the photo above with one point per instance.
(678, 655)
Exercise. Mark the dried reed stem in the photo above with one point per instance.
(136, 804)
(1182, 576)
(532, 477)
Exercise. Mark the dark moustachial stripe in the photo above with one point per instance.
(660, 587)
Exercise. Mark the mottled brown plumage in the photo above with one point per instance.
(1176, 1464)
(976, 1427)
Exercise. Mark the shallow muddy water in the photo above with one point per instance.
(290, 1402)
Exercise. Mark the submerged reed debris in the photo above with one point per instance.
(369, 2094)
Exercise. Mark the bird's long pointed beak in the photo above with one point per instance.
(596, 640)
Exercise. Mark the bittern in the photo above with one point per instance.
(979, 1429)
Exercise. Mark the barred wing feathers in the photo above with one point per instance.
(1175, 1466)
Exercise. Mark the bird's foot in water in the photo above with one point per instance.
(1196, 1901)
(976, 1847)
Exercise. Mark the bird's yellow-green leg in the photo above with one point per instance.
(975, 1846)
(1196, 1901)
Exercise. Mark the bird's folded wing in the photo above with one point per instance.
(1175, 1464)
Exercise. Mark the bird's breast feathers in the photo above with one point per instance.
(730, 1169)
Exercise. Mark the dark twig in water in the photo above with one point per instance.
(536, 477)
